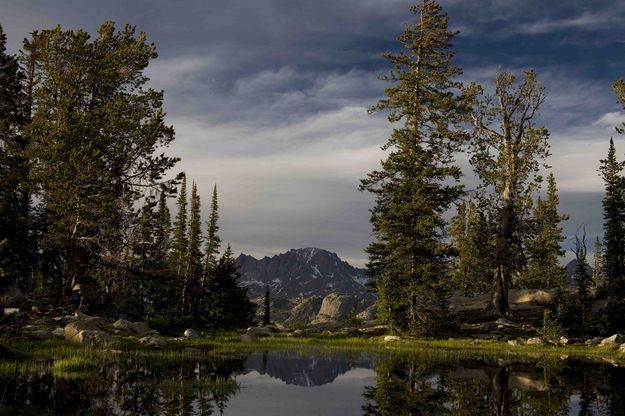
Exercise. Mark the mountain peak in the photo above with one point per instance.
(309, 271)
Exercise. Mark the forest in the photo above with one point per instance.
(86, 184)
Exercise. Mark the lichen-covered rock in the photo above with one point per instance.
(536, 341)
(612, 342)
(304, 311)
(72, 329)
(337, 307)
(153, 341)
(12, 297)
(368, 314)
(137, 328)
(190, 333)
(391, 338)
(92, 338)
(622, 348)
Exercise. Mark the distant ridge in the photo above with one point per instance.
(301, 272)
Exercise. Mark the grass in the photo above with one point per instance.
(71, 360)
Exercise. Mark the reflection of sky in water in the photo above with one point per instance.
(263, 395)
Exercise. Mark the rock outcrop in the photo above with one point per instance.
(304, 311)
(337, 307)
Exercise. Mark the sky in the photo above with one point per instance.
(269, 98)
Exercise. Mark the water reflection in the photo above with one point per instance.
(382, 385)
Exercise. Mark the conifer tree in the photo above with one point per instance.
(614, 234)
(544, 247)
(213, 241)
(15, 253)
(598, 275)
(267, 307)
(228, 305)
(507, 153)
(179, 244)
(162, 229)
(193, 259)
(472, 267)
(416, 183)
(100, 153)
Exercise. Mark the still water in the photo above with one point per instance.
(290, 383)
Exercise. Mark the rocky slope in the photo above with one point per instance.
(301, 272)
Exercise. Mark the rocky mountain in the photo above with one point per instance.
(301, 272)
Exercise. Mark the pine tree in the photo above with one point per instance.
(598, 275)
(472, 267)
(409, 254)
(180, 244)
(97, 157)
(508, 151)
(267, 308)
(614, 234)
(213, 241)
(228, 305)
(15, 247)
(191, 295)
(544, 247)
(162, 229)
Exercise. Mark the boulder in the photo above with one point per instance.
(138, 328)
(337, 307)
(190, 333)
(391, 338)
(514, 343)
(532, 296)
(41, 334)
(153, 341)
(536, 341)
(621, 348)
(91, 337)
(564, 341)
(612, 342)
(72, 329)
(368, 314)
(12, 297)
(12, 311)
(247, 338)
(594, 341)
(58, 333)
(376, 330)
(304, 311)
(258, 331)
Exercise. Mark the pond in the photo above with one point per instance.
(283, 382)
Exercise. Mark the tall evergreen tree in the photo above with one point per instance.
(15, 253)
(162, 229)
(267, 307)
(213, 242)
(472, 267)
(228, 305)
(100, 152)
(614, 234)
(179, 243)
(598, 275)
(409, 255)
(544, 247)
(191, 292)
(507, 158)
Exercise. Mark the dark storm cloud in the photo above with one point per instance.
(269, 97)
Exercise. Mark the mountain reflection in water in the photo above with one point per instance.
(289, 383)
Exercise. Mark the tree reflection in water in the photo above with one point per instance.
(133, 386)
(406, 386)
